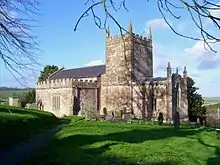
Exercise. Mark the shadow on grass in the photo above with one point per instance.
(133, 136)
(16, 128)
(79, 149)
(215, 159)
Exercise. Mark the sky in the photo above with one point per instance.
(61, 45)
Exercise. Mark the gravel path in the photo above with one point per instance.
(28, 148)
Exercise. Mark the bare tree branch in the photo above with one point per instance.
(199, 11)
(18, 45)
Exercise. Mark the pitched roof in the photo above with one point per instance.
(85, 72)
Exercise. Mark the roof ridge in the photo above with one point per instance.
(54, 73)
(84, 67)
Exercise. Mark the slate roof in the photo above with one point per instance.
(91, 71)
(85, 72)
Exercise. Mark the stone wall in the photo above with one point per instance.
(66, 100)
(118, 61)
(123, 59)
(65, 90)
(137, 99)
(179, 97)
(89, 99)
(116, 98)
(142, 59)
(13, 101)
(183, 100)
(144, 102)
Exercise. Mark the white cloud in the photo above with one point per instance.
(194, 74)
(161, 58)
(206, 58)
(94, 63)
(215, 11)
(157, 24)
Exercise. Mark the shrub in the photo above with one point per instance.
(160, 118)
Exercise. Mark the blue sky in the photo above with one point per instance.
(62, 46)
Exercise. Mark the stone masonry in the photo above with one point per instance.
(125, 83)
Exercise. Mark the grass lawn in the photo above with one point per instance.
(17, 124)
(101, 143)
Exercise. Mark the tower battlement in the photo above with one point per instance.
(110, 40)
(67, 83)
(129, 35)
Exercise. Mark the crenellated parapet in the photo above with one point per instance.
(67, 83)
(128, 36)
(111, 40)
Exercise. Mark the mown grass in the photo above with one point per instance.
(102, 143)
(17, 124)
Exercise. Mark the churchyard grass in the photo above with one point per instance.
(18, 124)
(100, 142)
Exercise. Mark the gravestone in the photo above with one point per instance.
(81, 111)
(110, 117)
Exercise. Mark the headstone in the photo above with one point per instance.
(160, 118)
(31, 106)
(81, 111)
(127, 116)
(110, 117)
(105, 111)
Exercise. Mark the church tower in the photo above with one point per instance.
(128, 59)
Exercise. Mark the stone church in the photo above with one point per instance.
(125, 83)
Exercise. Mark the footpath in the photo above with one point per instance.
(31, 146)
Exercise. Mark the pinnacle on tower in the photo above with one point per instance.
(169, 71)
(130, 27)
(149, 34)
(177, 70)
(169, 65)
(184, 70)
(108, 31)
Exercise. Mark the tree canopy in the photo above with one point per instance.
(196, 106)
(48, 69)
(18, 46)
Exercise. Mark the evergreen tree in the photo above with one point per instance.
(196, 108)
(48, 69)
